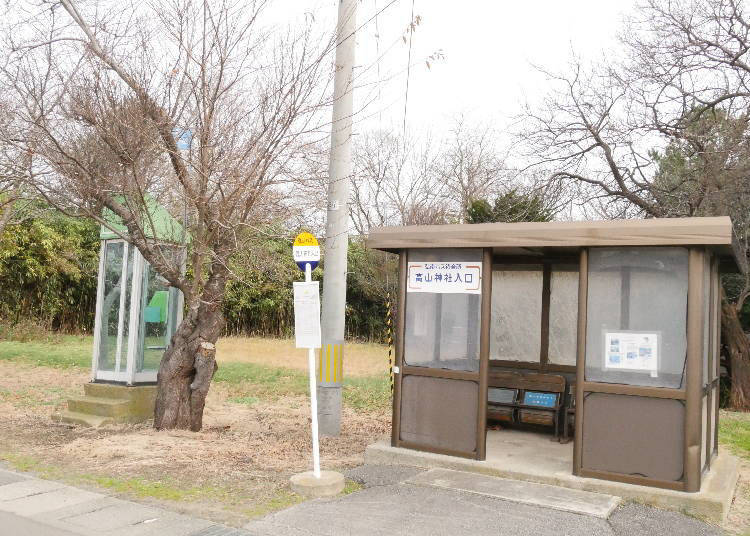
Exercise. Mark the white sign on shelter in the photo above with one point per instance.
(307, 314)
(451, 277)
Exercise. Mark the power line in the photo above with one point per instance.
(408, 65)
(377, 55)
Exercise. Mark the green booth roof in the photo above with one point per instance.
(157, 224)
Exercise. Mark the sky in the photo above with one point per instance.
(489, 51)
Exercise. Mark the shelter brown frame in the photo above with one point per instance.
(566, 242)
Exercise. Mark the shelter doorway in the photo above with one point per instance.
(533, 329)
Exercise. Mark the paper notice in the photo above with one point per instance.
(626, 350)
(307, 315)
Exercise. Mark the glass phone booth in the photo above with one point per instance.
(137, 312)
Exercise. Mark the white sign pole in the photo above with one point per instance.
(313, 394)
(306, 251)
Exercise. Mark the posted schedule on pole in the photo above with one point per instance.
(307, 314)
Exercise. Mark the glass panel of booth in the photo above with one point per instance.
(517, 313)
(515, 329)
(442, 325)
(636, 316)
(113, 254)
(125, 311)
(563, 315)
(158, 318)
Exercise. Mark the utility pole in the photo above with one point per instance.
(337, 222)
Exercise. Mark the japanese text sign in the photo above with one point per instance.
(452, 277)
(306, 251)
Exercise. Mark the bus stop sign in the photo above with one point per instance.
(306, 251)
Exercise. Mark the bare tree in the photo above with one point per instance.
(17, 201)
(664, 133)
(104, 95)
(402, 180)
(395, 182)
(469, 166)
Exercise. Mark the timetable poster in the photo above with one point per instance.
(626, 350)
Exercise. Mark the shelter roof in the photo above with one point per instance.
(551, 238)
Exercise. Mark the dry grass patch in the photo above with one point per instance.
(237, 467)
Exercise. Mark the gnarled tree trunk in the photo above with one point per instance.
(189, 364)
(738, 346)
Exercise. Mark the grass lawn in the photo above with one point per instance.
(734, 432)
(260, 367)
(59, 351)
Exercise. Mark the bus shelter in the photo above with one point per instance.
(611, 327)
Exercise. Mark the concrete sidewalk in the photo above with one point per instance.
(532, 457)
(396, 500)
(393, 505)
(42, 507)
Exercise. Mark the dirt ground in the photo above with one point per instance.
(237, 467)
(361, 359)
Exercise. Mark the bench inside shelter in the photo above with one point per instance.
(530, 398)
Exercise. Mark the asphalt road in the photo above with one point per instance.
(389, 507)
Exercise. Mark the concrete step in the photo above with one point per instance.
(544, 495)
(104, 407)
(112, 390)
(142, 397)
(84, 419)
(106, 390)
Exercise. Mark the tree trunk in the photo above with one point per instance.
(186, 370)
(738, 347)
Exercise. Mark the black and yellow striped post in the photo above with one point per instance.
(330, 380)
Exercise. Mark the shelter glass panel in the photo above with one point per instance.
(515, 330)
(442, 330)
(716, 321)
(636, 316)
(563, 315)
(110, 310)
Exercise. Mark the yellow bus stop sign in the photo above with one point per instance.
(306, 251)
